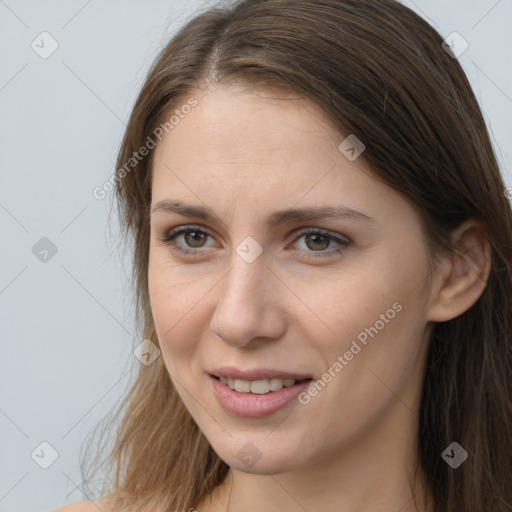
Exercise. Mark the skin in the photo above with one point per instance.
(353, 447)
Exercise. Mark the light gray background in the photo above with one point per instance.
(67, 331)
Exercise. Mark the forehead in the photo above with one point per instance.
(251, 134)
(245, 153)
(229, 121)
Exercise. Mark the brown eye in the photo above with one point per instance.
(194, 239)
(186, 240)
(317, 241)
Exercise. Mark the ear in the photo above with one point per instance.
(463, 277)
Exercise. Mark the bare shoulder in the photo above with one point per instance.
(81, 506)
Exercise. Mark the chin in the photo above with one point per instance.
(259, 456)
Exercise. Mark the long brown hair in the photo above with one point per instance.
(378, 70)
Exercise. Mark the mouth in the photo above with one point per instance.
(260, 397)
(260, 386)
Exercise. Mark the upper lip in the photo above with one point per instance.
(257, 374)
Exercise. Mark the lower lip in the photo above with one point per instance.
(250, 405)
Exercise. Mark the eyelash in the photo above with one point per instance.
(173, 233)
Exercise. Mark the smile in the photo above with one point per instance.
(256, 398)
(259, 387)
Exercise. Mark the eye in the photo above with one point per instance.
(316, 241)
(192, 235)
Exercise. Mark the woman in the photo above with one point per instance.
(322, 262)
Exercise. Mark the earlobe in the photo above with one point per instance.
(465, 275)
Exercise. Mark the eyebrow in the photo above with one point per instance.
(274, 219)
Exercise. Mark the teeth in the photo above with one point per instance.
(259, 387)
(276, 384)
(243, 385)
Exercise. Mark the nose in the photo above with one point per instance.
(250, 303)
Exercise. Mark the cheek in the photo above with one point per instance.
(374, 317)
(384, 346)
(172, 302)
(338, 307)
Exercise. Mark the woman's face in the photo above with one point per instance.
(337, 298)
